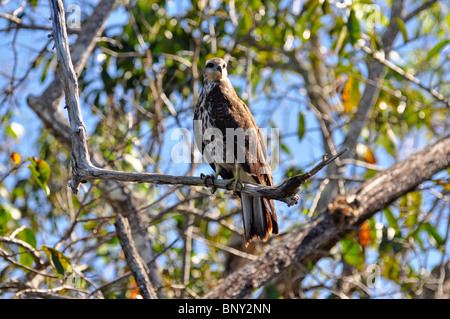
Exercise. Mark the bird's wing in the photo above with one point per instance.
(229, 111)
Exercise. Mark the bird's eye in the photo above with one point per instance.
(209, 65)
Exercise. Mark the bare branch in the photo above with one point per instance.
(419, 9)
(134, 260)
(380, 58)
(75, 138)
(47, 108)
(28, 247)
(286, 192)
(70, 84)
(20, 25)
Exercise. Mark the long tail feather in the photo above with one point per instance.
(258, 215)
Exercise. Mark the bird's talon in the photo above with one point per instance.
(229, 182)
(236, 182)
(205, 181)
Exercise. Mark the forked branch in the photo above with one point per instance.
(83, 170)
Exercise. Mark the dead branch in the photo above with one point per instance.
(134, 261)
(47, 107)
(79, 143)
(286, 192)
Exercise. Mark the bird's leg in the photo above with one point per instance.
(212, 177)
(235, 178)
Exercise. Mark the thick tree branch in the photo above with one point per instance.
(47, 108)
(70, 84)
(137, 267)
(306, 246)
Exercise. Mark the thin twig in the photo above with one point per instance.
(379, 56)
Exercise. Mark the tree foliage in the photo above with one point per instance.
(368, 75)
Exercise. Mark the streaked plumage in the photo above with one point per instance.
(219, 107)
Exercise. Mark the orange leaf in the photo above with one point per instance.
(445, 183)
(350, 94)
(15, 158)
(369, 158)
(134, 291)
(364, 234)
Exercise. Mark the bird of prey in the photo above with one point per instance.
(240, 153)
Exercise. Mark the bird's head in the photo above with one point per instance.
(215, 70)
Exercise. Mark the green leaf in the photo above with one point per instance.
(41, 172)
(272, 292)
(45, 70)
(312, 6)
(392, 221)
(436, 49)
(353, 253)
(60, 263)
(340, 41)
(27, 235)
(389, 139)
(285, 148)
(431, 230)
(411, 220)
(9, 131)
(246, 22)
(353, 27)
(301, 125)
(401, 26)
(309, 265)
(391, 268)
(34, 3)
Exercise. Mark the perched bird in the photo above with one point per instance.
(240, 153)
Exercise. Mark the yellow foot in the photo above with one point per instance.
(236, 181)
